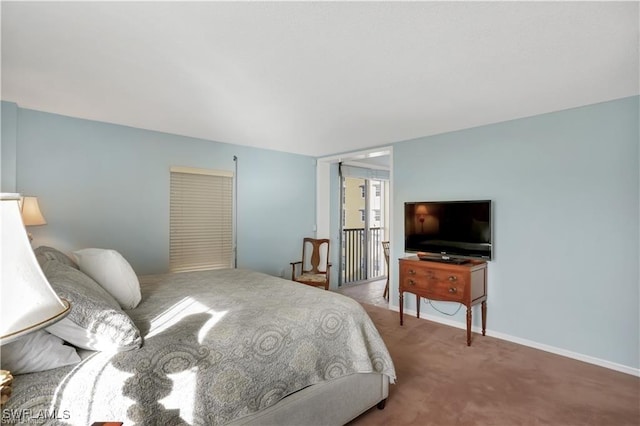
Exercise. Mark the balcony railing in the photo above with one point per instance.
(362, 258)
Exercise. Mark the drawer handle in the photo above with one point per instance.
(453, 278)
(412, 282)
(453, 290)
(412, 272)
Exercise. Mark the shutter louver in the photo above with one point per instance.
(201, 220)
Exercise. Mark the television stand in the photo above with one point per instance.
(465, 284)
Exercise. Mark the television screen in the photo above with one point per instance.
(449, 228)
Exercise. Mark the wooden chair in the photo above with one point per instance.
(385, 247)
(315, 268)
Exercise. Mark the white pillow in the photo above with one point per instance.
(37, 351)
(109, 269)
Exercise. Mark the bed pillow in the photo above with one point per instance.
(45, 254)
(37, 351)
(96, 321)
(109, 269)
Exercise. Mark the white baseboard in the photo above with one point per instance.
(552, 349)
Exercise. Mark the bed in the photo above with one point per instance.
(229, 346)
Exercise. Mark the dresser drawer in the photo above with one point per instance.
(433, 288)
(433, 283)
(447, 290)
(446, 277)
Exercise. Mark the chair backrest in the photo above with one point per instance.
(315, 255)
(385, 248)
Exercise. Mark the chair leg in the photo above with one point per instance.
(386, 290)
(328, 281)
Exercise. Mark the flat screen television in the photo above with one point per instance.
(448, 229)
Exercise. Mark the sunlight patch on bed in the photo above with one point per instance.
(182, 396)
(73, 398)
(184, 308)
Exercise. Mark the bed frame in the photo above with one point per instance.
(330, 403)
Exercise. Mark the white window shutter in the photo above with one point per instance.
(201, 220)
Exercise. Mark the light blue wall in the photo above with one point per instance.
(104, 185)
(565, 188)
(8, 147)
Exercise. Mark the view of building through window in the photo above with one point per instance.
(362, 223)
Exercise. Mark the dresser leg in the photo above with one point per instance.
(484, 317)
(401, 306)
(468, 325)
(418, 305)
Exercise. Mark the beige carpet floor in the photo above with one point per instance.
(441, 381)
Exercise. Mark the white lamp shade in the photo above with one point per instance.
(27, 301)
(31, 214)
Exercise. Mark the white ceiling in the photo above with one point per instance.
(316, 78)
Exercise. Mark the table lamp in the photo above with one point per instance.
(31, 214)
(27, 301)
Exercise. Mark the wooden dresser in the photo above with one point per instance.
(463, 283)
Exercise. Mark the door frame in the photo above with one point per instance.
(324, 228)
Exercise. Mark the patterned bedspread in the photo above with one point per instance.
(218, 345)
